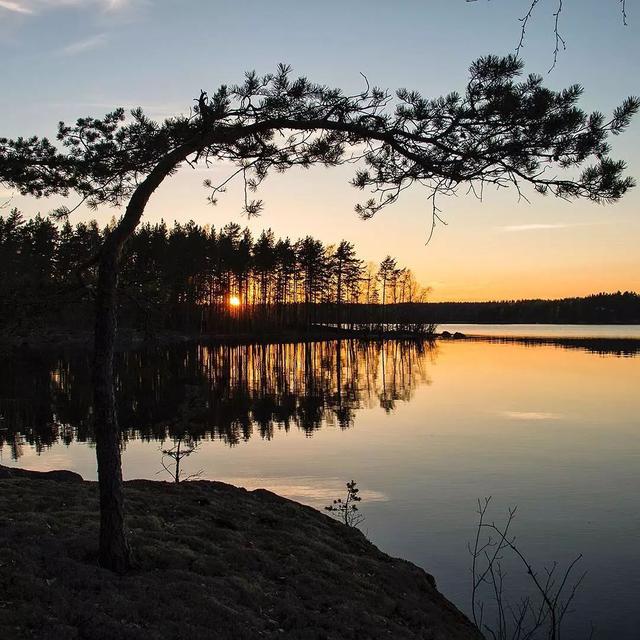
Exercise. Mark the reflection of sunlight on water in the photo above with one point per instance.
(531, 415)
(77, 456)
(314, 491)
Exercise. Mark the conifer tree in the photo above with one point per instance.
(501, 130)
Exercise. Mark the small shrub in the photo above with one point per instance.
(347, 510)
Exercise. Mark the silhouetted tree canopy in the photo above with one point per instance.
(502, 130)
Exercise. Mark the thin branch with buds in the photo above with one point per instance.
(560, 42)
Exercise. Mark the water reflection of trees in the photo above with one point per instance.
(242, 390)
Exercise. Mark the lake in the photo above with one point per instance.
(425, 431)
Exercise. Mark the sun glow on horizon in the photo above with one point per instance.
(234, 301)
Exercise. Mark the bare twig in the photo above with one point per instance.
(560, 41)
(525, 21)
(525, 619)
(623, 8)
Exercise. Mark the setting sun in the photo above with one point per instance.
(234, 301)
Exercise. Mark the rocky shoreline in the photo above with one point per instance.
(211, 561)
(132, 339)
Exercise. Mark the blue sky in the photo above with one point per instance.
(65, 58)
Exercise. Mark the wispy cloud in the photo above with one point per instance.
(530, 415)
(534, 227)
(114, 5)
(86, 44)
(37, 6)
(158, 111)
(16, 7)
(538, 226)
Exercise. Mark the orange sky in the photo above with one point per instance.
(496, 249)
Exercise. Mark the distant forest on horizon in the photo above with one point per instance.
(198, 279)
(598, 308)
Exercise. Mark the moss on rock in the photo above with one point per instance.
(211, 561)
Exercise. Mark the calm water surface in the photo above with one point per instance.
(425, 432)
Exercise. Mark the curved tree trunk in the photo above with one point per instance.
(114, 551)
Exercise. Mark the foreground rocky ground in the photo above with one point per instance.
(212, 561)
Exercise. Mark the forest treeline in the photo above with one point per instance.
(194, 277)
(600, 308)
(185, 277)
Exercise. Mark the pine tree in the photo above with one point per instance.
(498, 131)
